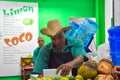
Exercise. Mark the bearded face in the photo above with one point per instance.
(59, 40)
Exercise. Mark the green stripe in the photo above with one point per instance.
(100, 19)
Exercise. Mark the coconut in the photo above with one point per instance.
(105, 66)
(79, 77)
(104, 77)
(88, 69)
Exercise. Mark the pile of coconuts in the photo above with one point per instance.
(96, 71)
(104, 68)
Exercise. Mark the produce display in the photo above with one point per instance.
(104, 77)
(90, 70)
(26, 60)
(105, 66)
(104, 69)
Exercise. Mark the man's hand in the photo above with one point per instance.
(64, 69)
(116, 72)
(40, 75)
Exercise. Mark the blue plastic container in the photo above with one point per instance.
(78, 33)
(114, 42)
(114, 33)
(114, 39)
(72, 32)
(75, 34)
(82, 32)
(90, 27)
(115, 58)
(114, 45)
(89, 38)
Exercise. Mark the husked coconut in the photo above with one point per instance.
(104, 77)
(105, 66)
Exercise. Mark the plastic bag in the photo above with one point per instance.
(103, 51)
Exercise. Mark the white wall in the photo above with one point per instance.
(108, 16)
(117, 12)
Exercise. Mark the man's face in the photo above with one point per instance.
(58, 39)
(40, 41)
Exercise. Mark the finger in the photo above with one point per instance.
(40, 76)
(117, 72)
(116, 77)
(118, 68)
(58, 69)
(65, 72)
(62, 71)
(68, 72)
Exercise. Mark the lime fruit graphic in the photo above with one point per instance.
(28, 21)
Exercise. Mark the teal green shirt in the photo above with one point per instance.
(43, 56)
(35, 54)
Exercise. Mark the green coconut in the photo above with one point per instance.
(70, 77)
(88, 69)
(57, 77)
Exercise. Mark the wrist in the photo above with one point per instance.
(40, 75)
(71, 65)
(77, 61)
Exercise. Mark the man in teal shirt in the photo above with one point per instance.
(40, 44)
(61, 53)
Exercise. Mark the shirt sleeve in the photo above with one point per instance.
(42, 60)
(79, 50)
(35, 53)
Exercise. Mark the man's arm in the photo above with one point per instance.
(78, 60)
(41, 61)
